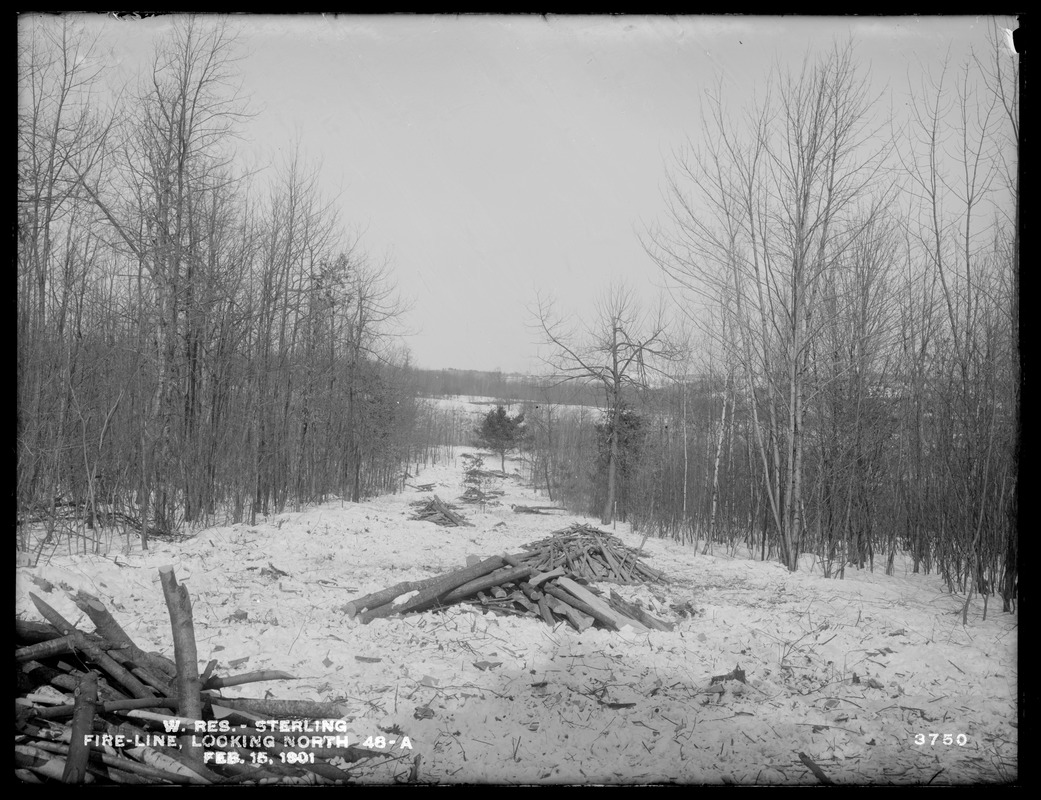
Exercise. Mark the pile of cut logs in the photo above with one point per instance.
(546, 581)
(95, 708)
(438, 512)
(593, 554)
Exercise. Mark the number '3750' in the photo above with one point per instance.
(941, 738)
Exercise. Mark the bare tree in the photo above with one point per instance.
(60, 133)
(1000, 71)
(617, 351)
(757, 222)
(954, 160)
(189, 344)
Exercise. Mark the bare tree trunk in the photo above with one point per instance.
(686, 460)
(608, 514)
(715, 463)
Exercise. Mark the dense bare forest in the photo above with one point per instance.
(854, 288)
(197, 340)
(193, 340)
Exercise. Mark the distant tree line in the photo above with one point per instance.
(509, 387)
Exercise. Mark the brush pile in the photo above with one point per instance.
(438, 512)
(476, 495)
(590, 553)
(547, 581)
(95, 708)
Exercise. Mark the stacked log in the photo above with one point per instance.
(528, 584)
(438, 512)
(92, 707)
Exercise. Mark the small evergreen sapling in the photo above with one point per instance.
(501, 433)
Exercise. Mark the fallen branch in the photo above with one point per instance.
(160, 683)
(53, 647)
(805, 759)
(60, 712)
(93, 651)
(218, 682)
(108, 628)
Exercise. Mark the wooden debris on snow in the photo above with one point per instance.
(475, 472)
(134, 700)
(476, 495)
(534, 509)
(438, 512)
(634, 611)
(545, 582)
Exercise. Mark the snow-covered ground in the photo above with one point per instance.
(872, 678)
(470, 404)
(478, 406)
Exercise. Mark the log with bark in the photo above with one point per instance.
(534, 509)
(431, 594)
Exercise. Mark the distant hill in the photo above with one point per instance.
(502, 385)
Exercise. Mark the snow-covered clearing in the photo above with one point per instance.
(478, 406)
(873, 678)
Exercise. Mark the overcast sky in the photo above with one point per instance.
(487, 157)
